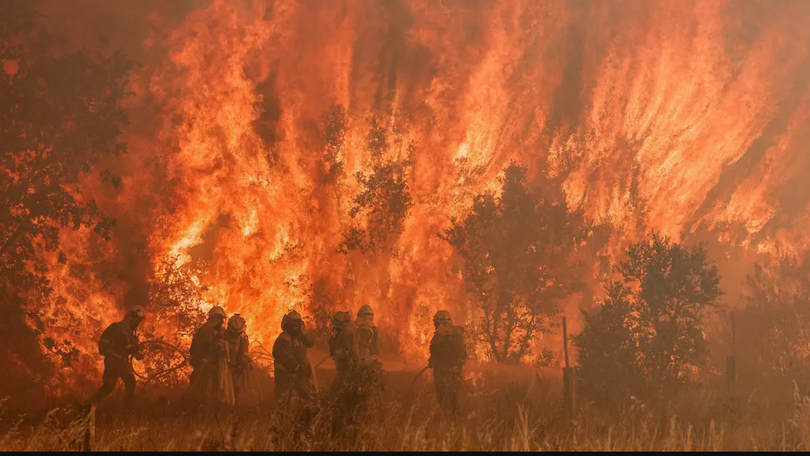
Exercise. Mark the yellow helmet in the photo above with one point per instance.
(217, 310)
(236, 323)
(365, 310)
(442, 317)
(291, 318)
(137, 312)
(341, 319)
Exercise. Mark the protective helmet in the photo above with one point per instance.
(217, 310)
(289, 319)
(236, 323)
(442, 317)
(137, 312)
(365, 310)
(341, 319)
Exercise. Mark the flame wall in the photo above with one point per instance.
(687, 117)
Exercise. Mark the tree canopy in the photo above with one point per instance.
(59, 116)
(516, 249)
(648, 332)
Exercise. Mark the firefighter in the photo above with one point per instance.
(348, 394)
(341, 347)
(292, 369)
(118, 342)
(366, 378)
(448, 353)
(367, 336)
(211, 379)
(240, 363)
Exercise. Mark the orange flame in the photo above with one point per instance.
(683, 117)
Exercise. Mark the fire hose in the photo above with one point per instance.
(263, 353)
(410, 389)
(168, 370)
(321, 361)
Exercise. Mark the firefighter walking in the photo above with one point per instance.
(118, 342)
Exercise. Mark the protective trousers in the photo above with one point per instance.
(113, 370)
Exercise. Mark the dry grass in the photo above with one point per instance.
(502, 411)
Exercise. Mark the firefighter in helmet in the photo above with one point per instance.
(448, 353)
(209, 358)
(238, 343)
(292, 369)
(367, 336)
(341, 347)
(349, 392)
(118, 342)
(366, 378)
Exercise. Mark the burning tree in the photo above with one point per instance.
(384, 200)
(335, 125)
(517, 261)
(177, 297)
(648, 331)
(58, 117)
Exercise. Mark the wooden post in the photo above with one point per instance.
(569, 382)
(731, 360)
(90, 429)
(565, 342)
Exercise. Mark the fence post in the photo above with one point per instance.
(569, 379)
(731, 360)
(89, 437)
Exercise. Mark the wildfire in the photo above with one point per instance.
(684, 117)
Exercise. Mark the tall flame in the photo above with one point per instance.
(688, 117)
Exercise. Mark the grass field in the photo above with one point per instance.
(512, 408)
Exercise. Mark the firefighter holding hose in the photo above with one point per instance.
(292, 368)
(118, 342)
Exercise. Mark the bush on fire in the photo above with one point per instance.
(59, 116)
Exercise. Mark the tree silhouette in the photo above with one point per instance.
(517, 261)
(59, 115)
(335, 125)
(384, 201)
(647, 335)
(776, 321)
(175, 313)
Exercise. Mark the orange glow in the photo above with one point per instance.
(659, 115)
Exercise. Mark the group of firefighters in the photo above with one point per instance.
(221, 363)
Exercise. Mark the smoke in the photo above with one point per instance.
(688, 118)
